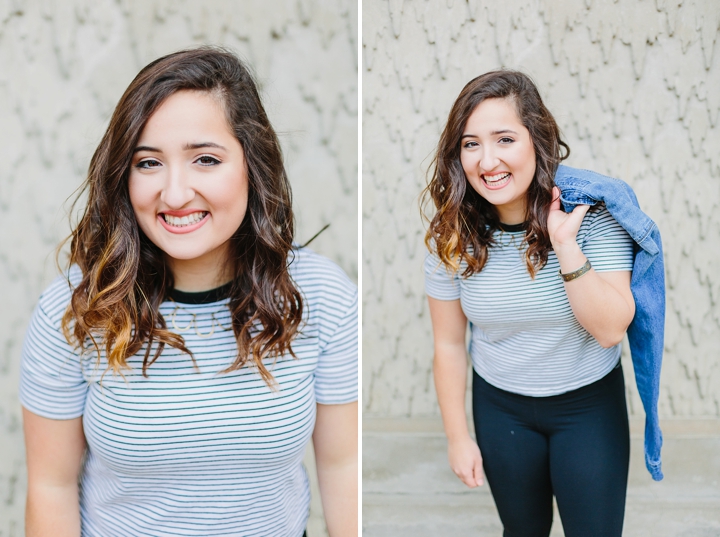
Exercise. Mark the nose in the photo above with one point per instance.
(177, 190)
(488, 159)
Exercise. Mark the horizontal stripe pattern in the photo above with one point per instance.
(524, 336)
(186, 451)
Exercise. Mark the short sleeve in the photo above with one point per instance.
(52, 384)
(605, 243)
(336, 376)
(440, 281)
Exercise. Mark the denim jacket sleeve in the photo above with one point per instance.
(646, 331)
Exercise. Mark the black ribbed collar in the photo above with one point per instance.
(201, 297)
(513, 228)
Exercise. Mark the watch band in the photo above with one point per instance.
(574, 275)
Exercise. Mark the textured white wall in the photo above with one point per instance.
(633, 85)
(64, 65)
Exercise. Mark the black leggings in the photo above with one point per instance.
(575, 445)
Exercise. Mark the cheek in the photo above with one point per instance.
(241, 205)
(237, 210)
(232, 199)
(141, 200)
(528, 156)
(137, 196)
(468, 165)
(530, 163)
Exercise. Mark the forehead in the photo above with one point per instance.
(188, 111)
(493, 114)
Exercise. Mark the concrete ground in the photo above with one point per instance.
(409, 489)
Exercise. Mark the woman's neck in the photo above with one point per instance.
(200, 274)
(512, 215)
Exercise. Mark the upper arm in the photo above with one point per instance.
(443, 289)
(448, 321)
(54, 449)
(611, 251)
(620, 281)
(335, 438)
(335, 310)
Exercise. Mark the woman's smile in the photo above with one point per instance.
(184, 221)
(497, 180)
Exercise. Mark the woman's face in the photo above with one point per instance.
(189, 183)
(498, 157)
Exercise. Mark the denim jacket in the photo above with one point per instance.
(645, 333)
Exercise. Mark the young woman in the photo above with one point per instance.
(547, 294)
(172, 378)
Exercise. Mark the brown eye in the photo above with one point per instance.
(147, 164)
(206, 160)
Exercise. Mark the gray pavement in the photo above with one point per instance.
(409, 489)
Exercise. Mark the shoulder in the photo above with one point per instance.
(597, 219)
(319, 278)
(600, 230)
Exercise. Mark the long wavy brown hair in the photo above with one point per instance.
(126, 277)
(463, 225)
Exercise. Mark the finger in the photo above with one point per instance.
(478, 473)
(467, 478)
(578, 213)
(555, 204)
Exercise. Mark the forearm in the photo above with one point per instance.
(54, 451)
(52, 511)
(450, 374)
(598, 306)
(338, 490)
(335, 441)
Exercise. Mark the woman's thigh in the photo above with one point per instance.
(515, 460)
(589, 456)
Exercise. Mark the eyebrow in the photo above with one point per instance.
(186, 147)
(146, 148)
(200, 145)
(493, 133)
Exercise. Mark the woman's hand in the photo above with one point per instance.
(563, 227)
(466, 461)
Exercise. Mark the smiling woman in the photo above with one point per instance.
(547, 297)
(179, 367)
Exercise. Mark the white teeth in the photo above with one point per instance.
(496, 178)
(190, 219)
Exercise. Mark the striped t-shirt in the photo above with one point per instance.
(524, 336)
(198, 453)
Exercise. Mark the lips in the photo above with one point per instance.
(184, 221)
(496, 180)
(181, 221)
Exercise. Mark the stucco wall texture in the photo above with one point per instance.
(63, 67)
(633, 85)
